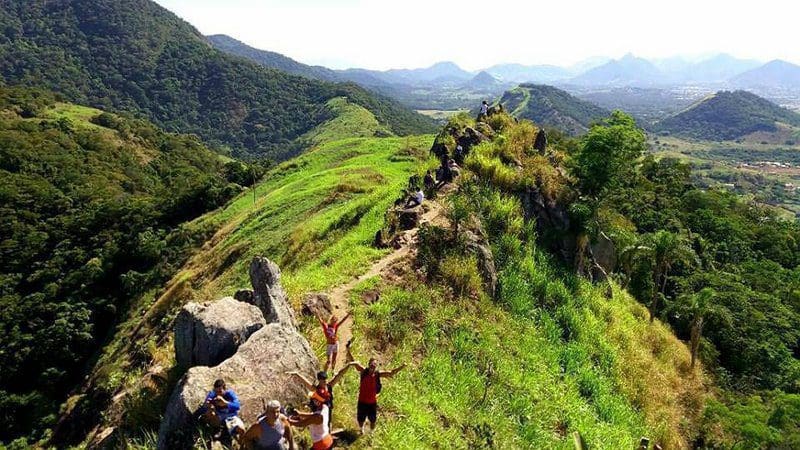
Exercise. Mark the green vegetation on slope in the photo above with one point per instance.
(92, 206)
(315, 215)
(728, 116)
(133, 55)
(552, 107)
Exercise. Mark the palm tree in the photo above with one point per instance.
(667, 249)
(697, 306)
(629, 256)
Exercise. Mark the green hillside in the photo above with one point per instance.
(92, 213)
(728, 116)
(133, 55)
(316, 216)
(552, 107)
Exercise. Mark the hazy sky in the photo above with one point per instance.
(476, 34)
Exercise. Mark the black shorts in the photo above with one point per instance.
(367, 411)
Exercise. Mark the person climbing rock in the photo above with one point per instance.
(323, 387)
(331, 328)
(368, 390)
(316, 421)
(271, 432)
(221, 409)
(415, 199)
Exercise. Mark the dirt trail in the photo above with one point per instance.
(339, 295)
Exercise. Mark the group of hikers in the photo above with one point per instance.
(273, 429)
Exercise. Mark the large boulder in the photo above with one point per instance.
(206, 334)
(316, 304)
(268, 293)
(604, 253)
(256, 372)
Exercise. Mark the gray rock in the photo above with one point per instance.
(604, 253)
(540, 144)
(256, 372)
(480, 247)
(317, 304)
(269, 295)
(207, 334)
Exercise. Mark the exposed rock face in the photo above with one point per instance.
(551, 219)
(316, 304)
(269, 295)
(540, 144)
(257, 371)
(604, 253)
(486, 266)
(207, 334)
(408, 218)
(470, 138)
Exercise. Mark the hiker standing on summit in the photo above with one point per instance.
(331, 328)
(368, 389)
(484, 110)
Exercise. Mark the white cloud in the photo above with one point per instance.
(414, 33)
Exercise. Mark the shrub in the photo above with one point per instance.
(461, 274)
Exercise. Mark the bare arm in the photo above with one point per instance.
(343, 319)
(305, 419)
(251, 436)
(340, 373)
(302, 379)
(357, 365)
(391, 373)
(287, 433)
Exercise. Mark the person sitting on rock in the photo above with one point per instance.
(221, 408)
(317, 422)
(430, 182)
(369, 388)
(415, 199)
(271, 432)
(331, 329)
(323, 387)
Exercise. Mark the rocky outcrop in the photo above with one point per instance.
(540, 144)
(206, 334)
(604, 254)
(552, 222)
(470, 138)
(480, 247)
(268, 293)
(257, 371)
(316, 304)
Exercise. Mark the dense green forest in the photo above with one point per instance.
(135, 56)
(722, 270)
(728, 116)
(92, 207)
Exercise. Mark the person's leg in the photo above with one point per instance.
(361, 416)
(334, 355)
(373, 417)
(329, 352)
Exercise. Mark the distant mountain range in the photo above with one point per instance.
(629, 71)
(727, 116)
(550, 106)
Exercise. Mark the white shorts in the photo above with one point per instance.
(232, 423)
(333, 348)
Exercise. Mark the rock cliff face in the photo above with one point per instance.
(256, 372)
(268, 293)
(207, 334)
(260, 330)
